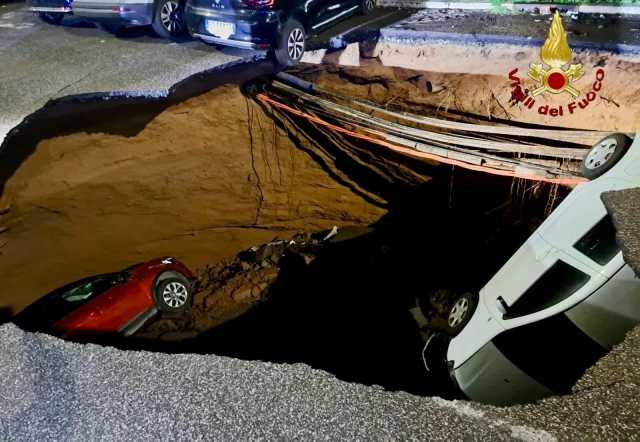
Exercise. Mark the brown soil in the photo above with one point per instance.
(441, 89)
(192, 184)
(230, 288)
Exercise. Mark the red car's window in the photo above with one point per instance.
(92, 288)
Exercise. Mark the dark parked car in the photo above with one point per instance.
(112, 303)
(50, 11)
(280, 25)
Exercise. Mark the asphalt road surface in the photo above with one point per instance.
(41, 62)
(56, 390)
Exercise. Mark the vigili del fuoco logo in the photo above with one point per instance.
(555, 75)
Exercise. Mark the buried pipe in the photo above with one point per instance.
(570, 182)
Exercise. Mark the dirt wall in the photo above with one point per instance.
(192, 184)
(475, 79)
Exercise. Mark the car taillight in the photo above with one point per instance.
(260, 4)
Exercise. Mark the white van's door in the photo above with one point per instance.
(539, 281)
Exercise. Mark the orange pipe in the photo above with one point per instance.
(414, 153)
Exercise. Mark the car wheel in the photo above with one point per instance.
(291, 45)
(53, 18)
(461, 312)
(367, 6)
(434, 353)
(604, 155)
(168, 20)
(173, 294)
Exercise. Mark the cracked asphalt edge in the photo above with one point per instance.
(57, 390)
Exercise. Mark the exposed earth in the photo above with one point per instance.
(193, 183)
(431, 84)
(214, 182)
(211, 176)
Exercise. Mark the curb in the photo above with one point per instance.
(408, 36)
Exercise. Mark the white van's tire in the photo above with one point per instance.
(604, 155)
(461, 312)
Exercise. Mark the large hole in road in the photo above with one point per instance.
(209, 177)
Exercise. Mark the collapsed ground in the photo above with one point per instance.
(214, 175)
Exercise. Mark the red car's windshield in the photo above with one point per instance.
(63, 301)
(92, 288)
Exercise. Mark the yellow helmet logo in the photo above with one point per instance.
(555, 74)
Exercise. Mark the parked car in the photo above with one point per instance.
(50, 11)
(165, 16)
(559, 303)
(278, 25)
(119, 302)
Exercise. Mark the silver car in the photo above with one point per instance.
(165, 16)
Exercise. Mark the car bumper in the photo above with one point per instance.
(60, 9)
(49, 6)
(128, 13)
(253, 30)
(489, 377)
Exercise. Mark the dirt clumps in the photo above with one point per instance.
(228, 289)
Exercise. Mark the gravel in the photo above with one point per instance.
(56, 390)
(624, 208)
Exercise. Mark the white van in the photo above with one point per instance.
(561, 301)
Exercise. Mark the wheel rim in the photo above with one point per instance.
(295, 44)
(171, 17)
(175, 295)
(368, 5)
(458, 312)
(601, 153)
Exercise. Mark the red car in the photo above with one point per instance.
(112, 303)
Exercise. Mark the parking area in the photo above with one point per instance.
(42, 62)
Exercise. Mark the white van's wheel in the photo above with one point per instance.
(604, 155)
(461, 312)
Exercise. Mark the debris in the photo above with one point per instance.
(609, 100)
(470, 146)
(331, 234)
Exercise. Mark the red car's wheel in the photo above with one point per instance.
(173, 294)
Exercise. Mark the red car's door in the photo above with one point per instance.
(122, 304)
(106, 304)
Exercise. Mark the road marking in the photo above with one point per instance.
(335, 17)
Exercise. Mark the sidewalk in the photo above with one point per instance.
(612, 33)
(628, 7)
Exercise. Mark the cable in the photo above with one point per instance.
(573, 181)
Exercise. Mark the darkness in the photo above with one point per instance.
(346, 312)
